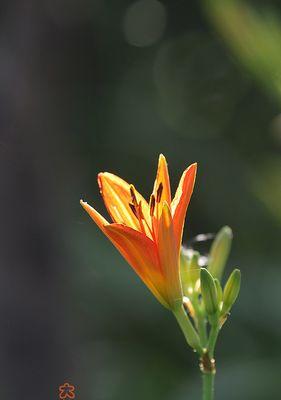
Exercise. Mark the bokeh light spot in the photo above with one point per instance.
(144, 22)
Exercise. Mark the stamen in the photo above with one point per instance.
(140, 211)
(137, 210)
(140, 217)
(133, 194)
(159, 192)
(152, 204)
(133, 208)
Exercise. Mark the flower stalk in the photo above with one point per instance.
(188, 330)
(208, 379)
(210, 303)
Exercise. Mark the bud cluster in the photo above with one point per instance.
(206, 300)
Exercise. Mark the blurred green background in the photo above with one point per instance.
(100, 85)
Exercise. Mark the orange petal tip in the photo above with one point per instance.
(193, 166)
(162, 160)
(105, 174)
(85, 205)
(192, 169)
(100, 174)
(99, 219)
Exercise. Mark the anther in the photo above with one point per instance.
(133, 208)
(133, 194)
(152, 204)
(159, 192)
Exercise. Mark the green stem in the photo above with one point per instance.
(213, 339)
(208, 367)
(207, 362)
(188, 330)
(208, 385)
(200, 322)
(202, 330)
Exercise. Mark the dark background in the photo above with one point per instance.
(95, 85)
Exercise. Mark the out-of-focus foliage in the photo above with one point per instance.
(253, 35)
(94, 85)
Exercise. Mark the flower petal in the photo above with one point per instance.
(137, 249)
(162, 177)
(117, 197)
(181, 200)
(141, 253)
(99, 220)
(169, 256)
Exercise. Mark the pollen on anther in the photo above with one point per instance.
(152, 204)
(159, 192)
(133, 194)
(133, 208)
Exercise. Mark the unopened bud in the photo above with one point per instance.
(231, 291)
(209, 292)
(193, 263)
(219, 290)
(194, 269)
(219, 252)
(190, 271)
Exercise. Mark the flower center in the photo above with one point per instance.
(147, 227)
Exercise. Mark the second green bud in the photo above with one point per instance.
(231, 290)
(209, 292)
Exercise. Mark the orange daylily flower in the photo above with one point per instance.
(148, 234)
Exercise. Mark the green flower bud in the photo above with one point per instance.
(219, 290)
(219, 252)
(209, 292)
(190, 271)
(194, 260)
(231, 291)
(194, 270)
